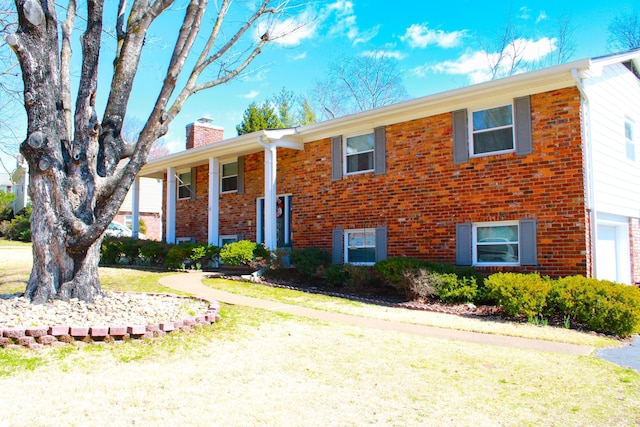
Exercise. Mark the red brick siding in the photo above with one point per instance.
(199, 134)
(424, 194)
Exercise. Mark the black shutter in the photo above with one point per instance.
(192, 187)
(337, 246)
(528, 242)
(460, 137)
(464, 244)
(241, 175)
(336, 158)
(524, 141)
(380, 150)
(381, 243)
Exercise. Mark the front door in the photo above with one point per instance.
(283, 220)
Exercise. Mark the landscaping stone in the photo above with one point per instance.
(37, 332)
(79, 331)
(99, 331)
(25, 341)
(57, 331)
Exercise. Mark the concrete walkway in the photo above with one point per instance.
(192, 283)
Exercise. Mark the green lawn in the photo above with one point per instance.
(259, 367)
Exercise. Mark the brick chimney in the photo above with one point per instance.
(203, 132)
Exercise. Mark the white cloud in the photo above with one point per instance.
(293, 30)
(542, 16)
(421, 36)
(345, 22)
(300, 56)
(250, 95)
(525, 13)
(384, 53)
(476, 64)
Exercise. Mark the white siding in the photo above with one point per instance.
(613, 96)
(150, 197)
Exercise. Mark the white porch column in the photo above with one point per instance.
(135, 208)
(270, 194)
(214, 201)
(171, 205)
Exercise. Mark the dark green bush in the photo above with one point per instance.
(19, 228)
(359, 277)
(238, 253)
(308, 261)
(600, 305)
(393, 269)
(417, 278)
(178, 256)
(336, 276)
(520, 295)
(154, 252)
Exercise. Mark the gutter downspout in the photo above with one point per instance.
(587, 151)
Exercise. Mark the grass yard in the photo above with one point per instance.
(264, 368)
(259, 367)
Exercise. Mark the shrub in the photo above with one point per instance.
(178, 256)
(458, 289)
(520, 295)
(417, 278)
(336, 275)
(154, 252)
(420, 283)
(359, 277)
(19, 228)
(308, 261)
(600, 305)
(238, 253)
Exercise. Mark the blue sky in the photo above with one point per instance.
(437, 45)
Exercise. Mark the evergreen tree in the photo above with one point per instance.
(258, 117)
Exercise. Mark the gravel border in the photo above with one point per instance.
(38, 337)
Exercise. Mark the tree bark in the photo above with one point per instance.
(80, 167)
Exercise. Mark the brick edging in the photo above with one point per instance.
(38, 337)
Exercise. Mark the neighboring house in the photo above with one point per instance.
(150, 208)
(534, 172)
(20, 177)
(149, 201)
(5, 182)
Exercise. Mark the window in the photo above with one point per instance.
(496, 243)
(359, 153)
(230, 238)
(492, 130)
(184, 185)
(128, 221)
(630, 146)
(360, 246)
(229, 177)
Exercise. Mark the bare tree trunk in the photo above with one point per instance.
(80, 167)
(61, 272)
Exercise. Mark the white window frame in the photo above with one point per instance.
(222, 176)
(128, 221)
(472, 132)
(180, 184)
(630, 149)
(346, 245)
(345, 156)
(221, 239)
(478, 225)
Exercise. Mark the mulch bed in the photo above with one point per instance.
(381, 295)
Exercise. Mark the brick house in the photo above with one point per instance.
(535, 172)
